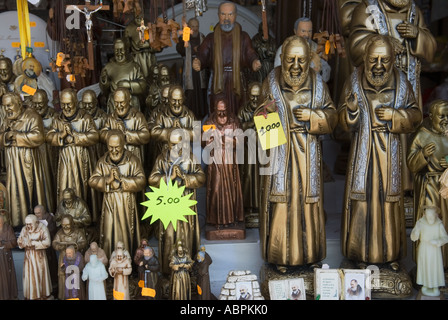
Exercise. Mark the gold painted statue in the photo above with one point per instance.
(123, 71)
(181, 265)
(76, 207)
(426, 160)
(379, 108)
(131, 122)
(292, 219)
(119, 176)
(186, 170)
(74, 131)
(28, 179)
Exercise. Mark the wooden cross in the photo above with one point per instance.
(88, 10)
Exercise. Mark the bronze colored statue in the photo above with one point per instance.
(180, 264)
(8, 278)
(119, 176)
(227, 51)
(148, 272)
(26, 179)
(76, 207)
(72, 266)
(164, 75)
(35, 239)
(67, 236)
(426, 160)
(129, 121)
(74, 131)
(292, 219)
(7, 78)
(249, 170)
(141, 49)
(177, 159)
(95, 250)
(120, 269)
(266, 50)
(201, 271)
(224, 193)
(194, 82)
(379, 107)
(89, 102)
(123, 71)
(403, 21)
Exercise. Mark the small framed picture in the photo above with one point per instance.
(327, 284)
(244, 290)
(288, 289)
(357, 284)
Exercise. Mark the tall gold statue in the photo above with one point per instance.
(129, 121)
(122, 71)
(426, 159)
(27, 178)
(186, 171)
(74, 131)
(292, 219)
(379, 107)
(141, 50)
(119, 176)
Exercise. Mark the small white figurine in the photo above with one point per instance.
(431, 234)
(96, 273)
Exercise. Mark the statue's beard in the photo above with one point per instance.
(398, 3)
(295, 81)
(227, 26)
(378, 81)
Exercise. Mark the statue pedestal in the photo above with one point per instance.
(234, 232)
(386, 283)
(269, 272)
(421, 296)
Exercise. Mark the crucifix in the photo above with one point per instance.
(88, 10)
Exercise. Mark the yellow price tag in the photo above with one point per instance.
(33, 24)
(270, 130)
(168, 203)
(207, 127)
(141, 284)
(327, 47)
(72, 299)
(59, 58)
(118, 295)
(39, 44)
(148, 292)
(15, 44)
(186, 34)
(146, 34)
(28, 90)
(199, 290)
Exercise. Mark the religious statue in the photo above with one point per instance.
(74, 131)
(130, 121)
(120, 268)
(224, 193)
(141, 50)
(48, 219)
(148, 273)
(8, 278)
(164, 75)
(76, 207)
(266, 50)
(176, 116)
(249, 169)
(89, 102)
(379, 107)
(94, 249)
(39, 102)
(201, 272)
(88, 15)
(303, 27)
(292, 183)
(119, 245)
(35, 239)
(180, 264)
(95, 272)
(194, 82)
(123, 71)
(426, 160)
(72, 267)
(154, 91)
(119, 176)
(431, 235)
(226, 52)
(177, 160)
(67, 236)
(20, 136)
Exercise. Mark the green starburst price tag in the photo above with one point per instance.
(168, 204)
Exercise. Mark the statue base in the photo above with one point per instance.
(386, 282)
(235, 231)
(421, 296)
(270, 272)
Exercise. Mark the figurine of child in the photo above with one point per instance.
(431, 234)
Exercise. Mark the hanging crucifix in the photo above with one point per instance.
(88, 10)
